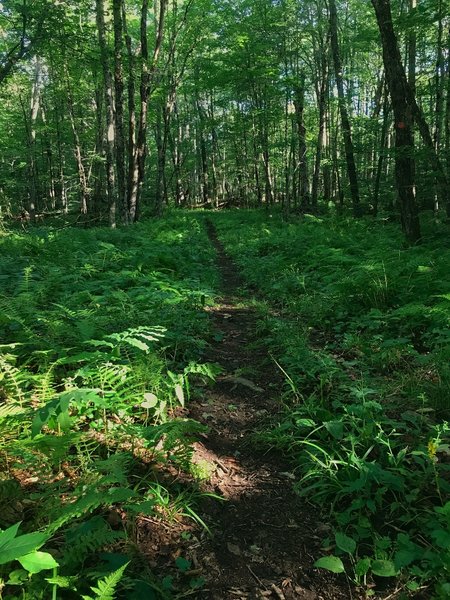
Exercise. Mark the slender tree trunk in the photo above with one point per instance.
(97, 196)
(161, 146)
(32, 164)
(299, 103)
(322, 93)
(215, 152)
(384, 133)
(84, 191)
(447, 117)
(439, 87)
(345, 121)
(131, 114)
(439, 80)
(174, 141)
(61, 187)
(412, 49)
(147, 74)
(202, 155)
(118, 104)
(109, 105)
(50, 161)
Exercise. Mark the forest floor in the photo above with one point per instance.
(264, 538)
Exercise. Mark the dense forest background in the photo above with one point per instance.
(116, 109)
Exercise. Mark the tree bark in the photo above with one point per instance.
(403, 114)
(345, 121)
(321, 93)
(84, 192)
(109, 105)
(118, 103)
(137, 168)
(299, 104)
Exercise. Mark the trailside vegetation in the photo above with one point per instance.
(359, 327)
(103, 337)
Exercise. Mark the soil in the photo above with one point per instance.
(264, 539)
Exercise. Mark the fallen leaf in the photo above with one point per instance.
(234, 549)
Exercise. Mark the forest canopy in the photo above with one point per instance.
(119, 108)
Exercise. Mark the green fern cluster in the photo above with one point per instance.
(101, 331)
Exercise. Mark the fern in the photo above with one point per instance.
(114, 380)
(106, 587)
(176, 437)
(87, 539)
(116, 465)
(137, 337)
(80, 507)
(46, 387)
(12, 379)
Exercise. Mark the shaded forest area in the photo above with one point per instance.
(250, 399)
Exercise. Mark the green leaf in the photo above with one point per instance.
(345, 543)
(24, 544)
(9, 534)
(362, 566)
(107, 586)
(183, 564)
(62, 582)
(441, 537)
(305, 423)
(384, 568)
(35, 562)
(336, 428)
(17, 577)
(179, 394)
(330, 563)
(404, 557)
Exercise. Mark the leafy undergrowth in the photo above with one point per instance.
(360, 327)
(102, 332)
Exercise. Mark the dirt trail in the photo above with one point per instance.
(264, 537)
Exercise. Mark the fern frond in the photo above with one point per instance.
(46, 387)
(137, 337)
(107, 586)
(93, 499)
(80, 545)
(9, 410)
(13, 379)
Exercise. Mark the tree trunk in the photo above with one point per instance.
(412, 48)
(345, 121)
(118, 103)
(84, 192)
(109, 105)
(30, 125)
(321, 92)
(397, 84)
(299, 103)
(137, 168)
(383, 140)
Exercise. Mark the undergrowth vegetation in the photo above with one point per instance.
(102, 334)
(359, 326)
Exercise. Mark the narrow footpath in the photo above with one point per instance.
(265, 538)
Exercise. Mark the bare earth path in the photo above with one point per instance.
(265, 539)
